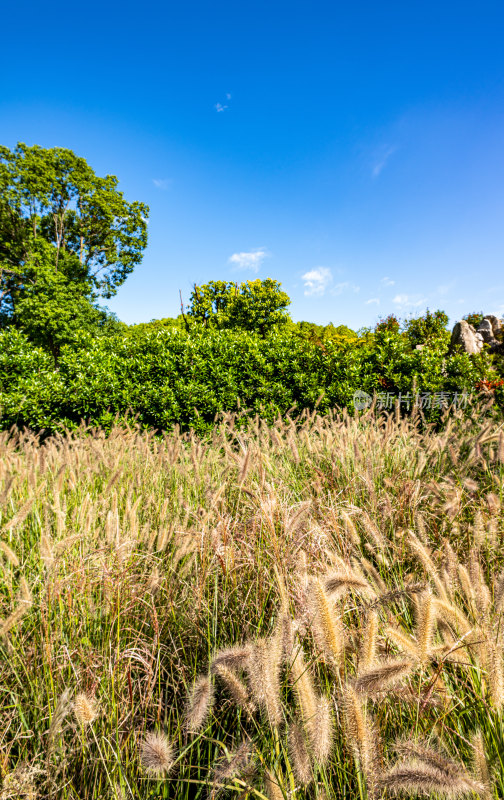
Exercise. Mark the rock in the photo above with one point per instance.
(486, 330)
(465, 338)
(491, 329)
(495, 323)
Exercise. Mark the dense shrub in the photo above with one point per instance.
(168, 377)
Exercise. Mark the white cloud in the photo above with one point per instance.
(375, 300)
(409, 301)
(251, 260)
(228, 95)
(162, 183)
(219, 107)
(316, 281)
(387, 282)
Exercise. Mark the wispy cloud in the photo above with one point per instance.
(409, 301)
(381, 159)
(162, 183)
(339, 288)
(372, 300)
(387, 282)
(251, 260)
(316, 281)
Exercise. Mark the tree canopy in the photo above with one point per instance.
(253, 305)
(54, 209)
(67, 237)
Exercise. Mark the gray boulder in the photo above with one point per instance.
(465, 338)
(486, 330)
(496, 324)
(491, 329)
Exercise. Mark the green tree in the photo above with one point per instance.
(58, 216)
(253, 305)
(427, 328)
(53, 310)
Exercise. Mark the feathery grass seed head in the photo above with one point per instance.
(382, 676)
(199, 704)
(299, 755)
(156, 754)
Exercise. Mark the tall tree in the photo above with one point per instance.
(58, 216)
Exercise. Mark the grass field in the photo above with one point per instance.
(303, 610)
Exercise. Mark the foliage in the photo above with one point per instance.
(168, 377)
(389, 324)
(298, 611)
(156, 325)
(53, 310)
(319, 334)
(258, 305)
(57, 214)
(475, 319)
(432, 325)
(65, 235)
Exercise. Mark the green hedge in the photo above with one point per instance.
(166, 376)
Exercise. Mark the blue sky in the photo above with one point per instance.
(352, 151)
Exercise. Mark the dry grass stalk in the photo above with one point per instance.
(84, 709)
(305, 691)
(58, 717)
(453, 616)
(499, 592)
(299, 755)
(322, 731)
(232, 657)
(418, 777)
(24, 604)
(199, 704)
(425, 626)
(382, 676)
(424, 555)
(369, 635)
(272, 786)
(327, 625)
(480, 766)
(9, 554)
(495, 672)
(403, 640)
(361, 734)
(157, 755)
(236, 688)
(336, 584)
(20, 783)
(234, 765)
(179, 493)
(263, 669)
